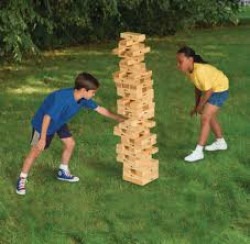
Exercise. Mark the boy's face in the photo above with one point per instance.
(88, 94)
(184, 64)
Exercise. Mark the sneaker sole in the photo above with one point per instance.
(68, 180)
(224, 149)
(194, 160)
(20, 193)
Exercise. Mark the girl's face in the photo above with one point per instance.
(185, 64)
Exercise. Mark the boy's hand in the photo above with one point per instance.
(105, 112)
(121, 118)
(41, 144)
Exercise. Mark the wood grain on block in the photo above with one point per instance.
(142, 163)
(127, 149)
(140, 92)
(131, 60)
(144, 140)
(133, 53)
(141, 171)
(140, 67)
(137, 37)
(139, 180)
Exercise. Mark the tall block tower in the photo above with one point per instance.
(135, 87)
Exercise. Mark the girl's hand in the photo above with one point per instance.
(193, 111)
(199, 109)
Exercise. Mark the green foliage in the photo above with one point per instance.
(28, 24)
(17, 23)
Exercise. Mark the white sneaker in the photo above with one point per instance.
(216, 146)
(194, 156)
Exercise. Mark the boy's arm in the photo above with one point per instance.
(105, 112)
(45, 125)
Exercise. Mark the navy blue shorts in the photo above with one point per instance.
(218, 98)
(63, 132)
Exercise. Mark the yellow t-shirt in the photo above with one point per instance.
(206, 77)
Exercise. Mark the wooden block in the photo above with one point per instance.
(126, 43)
(127, 135)
(126, 53)
(137, 37)
(144, 140)
(139, 52)
(141, 163)
(140, 92)
(139, 180)
(119, 158)
(131, 60)
(136, 149)
(141, 171)
(140, 67)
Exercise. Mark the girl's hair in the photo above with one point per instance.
(189, 52)
(87, 81)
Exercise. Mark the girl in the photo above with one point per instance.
(211, 91)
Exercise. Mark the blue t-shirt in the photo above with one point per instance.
(61, 106)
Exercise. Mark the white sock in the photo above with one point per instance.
(221, 140)
(23, 175)
(199, 148)
(64, 167)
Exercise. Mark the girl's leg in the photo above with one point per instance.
(208, 113)
(220, 143)
(215, 126)
(206, 116)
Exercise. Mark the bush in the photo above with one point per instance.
(28, 25)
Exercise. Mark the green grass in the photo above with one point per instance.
(197, 203)
(244, 15)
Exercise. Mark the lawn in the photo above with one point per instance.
(201, 203)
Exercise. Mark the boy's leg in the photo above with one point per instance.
(69, 145)
(29, 160)
(206, 116)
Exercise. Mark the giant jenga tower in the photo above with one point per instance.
(135, 86)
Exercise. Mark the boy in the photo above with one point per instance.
(56, 110)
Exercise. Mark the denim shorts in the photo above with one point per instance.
(218, 98)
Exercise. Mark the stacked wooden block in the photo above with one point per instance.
(135, 86)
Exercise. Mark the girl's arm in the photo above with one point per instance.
(197, 96)
(197, 93)
(206, 95)
(105, 112)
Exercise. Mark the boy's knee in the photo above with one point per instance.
(70, 143)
